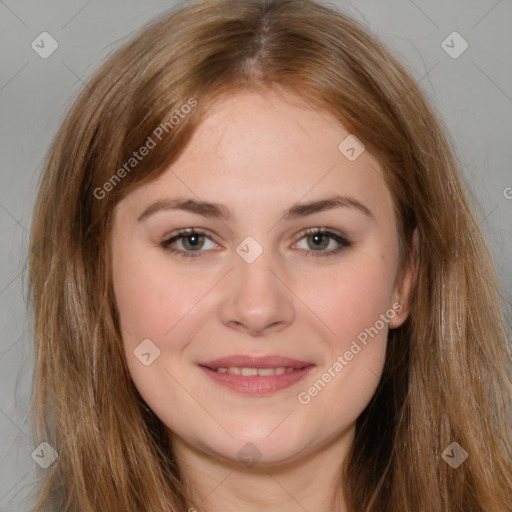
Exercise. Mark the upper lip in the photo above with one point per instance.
(241, 361)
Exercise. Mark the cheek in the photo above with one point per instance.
(154, 304)
(161, 305)
(353, 299)
(353, 305)
(151, 300)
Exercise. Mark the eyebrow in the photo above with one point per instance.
(219, 211)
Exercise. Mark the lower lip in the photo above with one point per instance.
(257, 384)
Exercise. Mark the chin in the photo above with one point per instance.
(259, 451)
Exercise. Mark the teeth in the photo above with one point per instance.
(249, 372)
(266, 371)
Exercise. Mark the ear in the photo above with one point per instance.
(404, 286)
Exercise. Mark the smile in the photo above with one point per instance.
(248, 372)
(256, 381)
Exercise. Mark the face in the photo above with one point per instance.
(262, 317)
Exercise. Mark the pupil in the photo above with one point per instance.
(193, 240)
(317, 238)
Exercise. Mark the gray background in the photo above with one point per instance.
(473, 94)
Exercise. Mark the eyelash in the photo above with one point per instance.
(343, 241)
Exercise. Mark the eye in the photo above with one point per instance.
(320, 238)
(191, 239)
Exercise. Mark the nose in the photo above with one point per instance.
(257, 299)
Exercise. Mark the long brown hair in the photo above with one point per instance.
(445, 379)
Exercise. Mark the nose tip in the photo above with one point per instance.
(251, 327)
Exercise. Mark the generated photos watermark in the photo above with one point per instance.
(304, 397)
(150, 143)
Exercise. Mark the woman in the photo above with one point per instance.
(199, 346)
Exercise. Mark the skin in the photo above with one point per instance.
(258, 154)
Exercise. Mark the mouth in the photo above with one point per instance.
(249, 372)
(256, 375)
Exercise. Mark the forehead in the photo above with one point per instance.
(265, 124)
(259, 150)
(259, 138)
